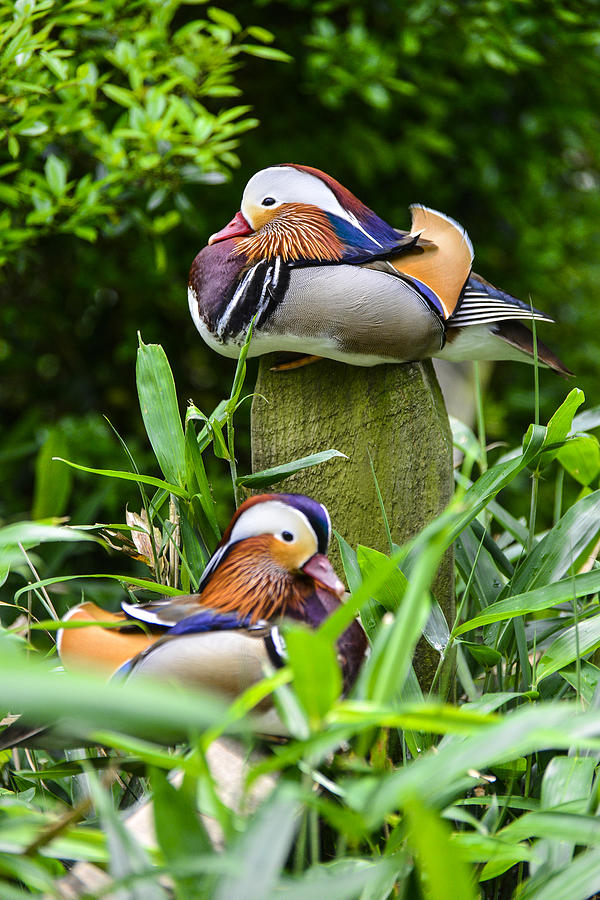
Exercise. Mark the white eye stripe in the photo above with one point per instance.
(275, 517)
(292, 186)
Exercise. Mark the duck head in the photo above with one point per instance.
(272, 559)
(300, 213)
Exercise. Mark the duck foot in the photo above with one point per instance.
(295, 363)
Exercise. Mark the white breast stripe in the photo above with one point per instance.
(237, 298)
(276, 273)
(263, 295)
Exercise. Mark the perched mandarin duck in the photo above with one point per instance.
(271, 564)
(322, 274)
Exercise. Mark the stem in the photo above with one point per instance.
(173, 542)
(480, 417)
(558, 495)
(232, 461)
(535, 481)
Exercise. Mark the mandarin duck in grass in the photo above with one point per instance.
(270, 565)
(323, 275)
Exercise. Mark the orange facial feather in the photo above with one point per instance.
(255, 580)
(296, 231)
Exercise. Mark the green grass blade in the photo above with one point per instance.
(317, 676)
(534, 601)
(130, 476)
(124, 579)
(262, 850)
(160, 410)
(577, 641)
(272, 476)
(443, 872)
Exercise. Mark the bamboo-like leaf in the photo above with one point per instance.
(262, 850)
(566, 785)
(534, 601)
(344, 879)
(523, 731)
(196, 472)
(497, 477)
(130, 476)
(160, 410)
(279, 473)
(29, 534)
(179, 831)
(577, 641)
(580, 880)
(150, 710)
(127, 857)
(52, 483)
(144, 583)
(444, 873)
(558, 552)
(317, 676)
(559, 426)
(580, 456)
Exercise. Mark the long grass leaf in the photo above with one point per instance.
(278, 473)
(160, 410)
(130, 476)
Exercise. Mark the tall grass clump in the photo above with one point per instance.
(481, 784)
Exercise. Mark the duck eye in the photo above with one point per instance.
(269, 201)
(287, 535)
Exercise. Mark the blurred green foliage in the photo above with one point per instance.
(119, 119)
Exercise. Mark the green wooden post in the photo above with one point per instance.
(395, 412)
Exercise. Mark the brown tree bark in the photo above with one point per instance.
(394, 412)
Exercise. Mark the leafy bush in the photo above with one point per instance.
(107, 101)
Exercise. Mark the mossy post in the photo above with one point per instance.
(394, 412)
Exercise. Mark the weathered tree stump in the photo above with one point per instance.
(394, 412)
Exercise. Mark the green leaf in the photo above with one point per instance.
(567, 783)
(196, 472)
(29, 534)
(520, 732)
(443, 872)
(559, 551)
(127, 857)
(129, 476)
(533, 601)
(52, 482)
(180, 833)
(485, 655)
(119, 95)
(144, 583)
(56, 175)
(279, 473)
(580, 880)
(266, 52)
(77, 703)
(479, 494)
(260, 853)
(577, 641)
(160, 410)
(559, 426)
(580, 456)
(224, 18)
(317, 676)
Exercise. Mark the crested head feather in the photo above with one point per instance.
(373, 226)
(255, 570)
(345, 198)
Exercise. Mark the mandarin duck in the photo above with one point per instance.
(270, 565)
(322, 274)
